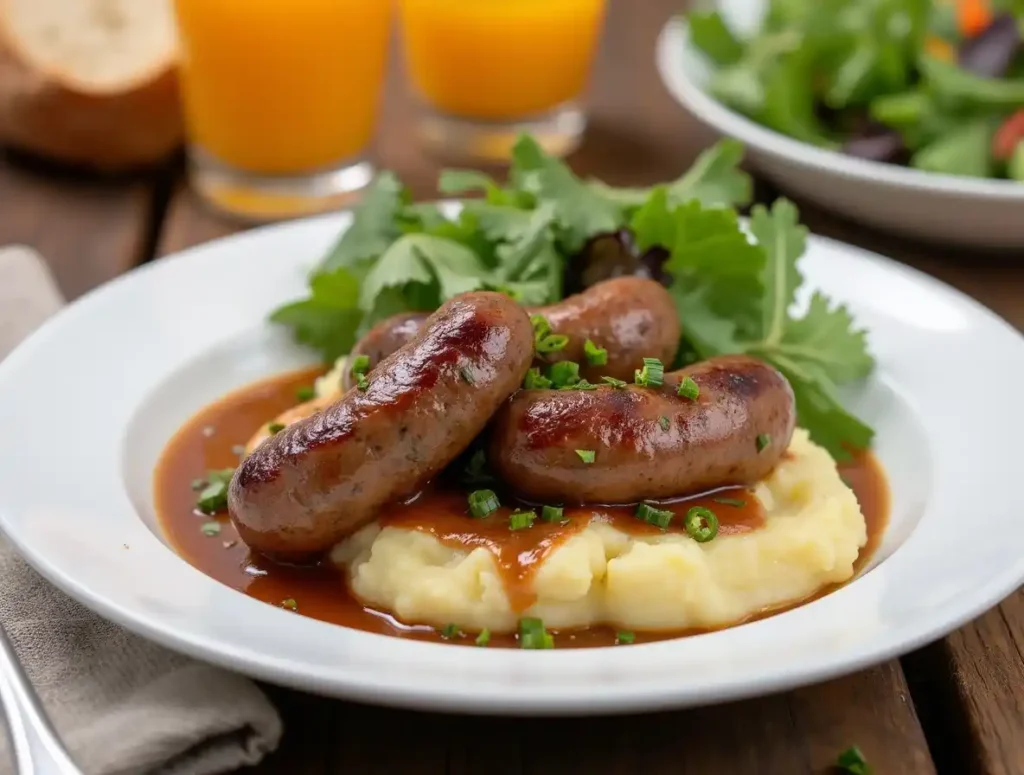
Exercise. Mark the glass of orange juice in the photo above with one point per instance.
(281, 99)
(486, 70)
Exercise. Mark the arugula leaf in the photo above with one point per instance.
(580, 210)
(960, 87)
(963, 150)
(329, 319)
(715, 180)
(711, 35)
(373, 227)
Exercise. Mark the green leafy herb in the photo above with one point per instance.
(596, 356)
(587, 455)
(688, 389)
(551, 513)
(450, 631)
(852, 762)
(305, 393)
(532, 634)
(618, 384)
(654, 516)
(373, 226)
(467, 375)
(482, 503)
(290, 604)
(701, 523)
(360, 364)
(552, 343)
(213, 497)
(535, 380)
(275, 428)
(362, 383)
(664, 422)
(564, 373)
(520, 520)
(625, 637)
(763, 440)
(652, 373)
(483, 638)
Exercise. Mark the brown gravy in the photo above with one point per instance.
(212, 439)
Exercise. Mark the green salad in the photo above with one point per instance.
(934, 84)
(546, 234)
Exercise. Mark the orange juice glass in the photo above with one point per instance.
(487, 70)
(281, 100)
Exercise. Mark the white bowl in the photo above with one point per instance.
(971, 212)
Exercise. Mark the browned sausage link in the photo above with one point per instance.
(385, 338)
(647, 442)
(309, 486)
(631, 317)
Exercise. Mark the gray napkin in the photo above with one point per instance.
(120, 703)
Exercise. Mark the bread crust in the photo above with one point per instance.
(54, 115)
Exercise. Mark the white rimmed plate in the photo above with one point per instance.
(971, 212)
(88, 402)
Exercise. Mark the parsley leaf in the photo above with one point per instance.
(328, 320)
(373, 226)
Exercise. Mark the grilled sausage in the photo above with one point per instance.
(312, 484)
(631, 317)
(647, 442)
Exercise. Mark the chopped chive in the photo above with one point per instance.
(581, 385)
(535, 380)
(520, 520)
(688, 389)
(541, 327)
(852, 761)
(618, 384)
(450, 631)
(210, 529)
(467, 375)
(552, 343)
(532, 634)
(551, 513)
(564, 373)
(587, 455)
(360, 364)
(731, 502)
(290, 604)
(652, 374)
(654, 516)
(625, 637)
(275, 427)
(663, 421)
(305, 393)
(763, 440)
(483, 638)
(596, 356)
(362, 382)
(214, 495)
(701, 523)
(482, 503)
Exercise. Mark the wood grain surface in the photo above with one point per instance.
(954, 707)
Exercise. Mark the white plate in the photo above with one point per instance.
(973, 212)
(88, 402)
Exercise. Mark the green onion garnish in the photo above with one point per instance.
(688, 389)
(730, 502)
(701, 524)
(587, 455)
(275, 427)
(210, 529)
(450, 631)
(520, 520)
(625, 637)
(618, 384)
(663, 421)
(763, 440)
(467, 375)
(564, 373)
(552, 343)
(362, 382)
(360, 364)
(653, 516)
(482, 503)
(541, 327)
(305, 393)
(596, 356)
(214, 495)
(290, 604)
(484, 637)
(652, 374)
(581, 385)
(535, 380)
(551, 513)
(852, 761)
(532, 634)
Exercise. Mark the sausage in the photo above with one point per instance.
(631, 317)
(647, 442)
(307, 487)
(290, 416)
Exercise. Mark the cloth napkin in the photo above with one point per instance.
(120, 703)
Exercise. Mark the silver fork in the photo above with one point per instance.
(35, 746)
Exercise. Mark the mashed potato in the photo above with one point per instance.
(812, 535)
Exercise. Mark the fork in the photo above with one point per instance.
(36, 748)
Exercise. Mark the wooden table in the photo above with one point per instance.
(956, 706)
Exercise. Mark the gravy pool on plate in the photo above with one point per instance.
(214, 438)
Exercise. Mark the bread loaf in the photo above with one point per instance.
(90, 82)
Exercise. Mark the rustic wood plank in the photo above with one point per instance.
(89, 230)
